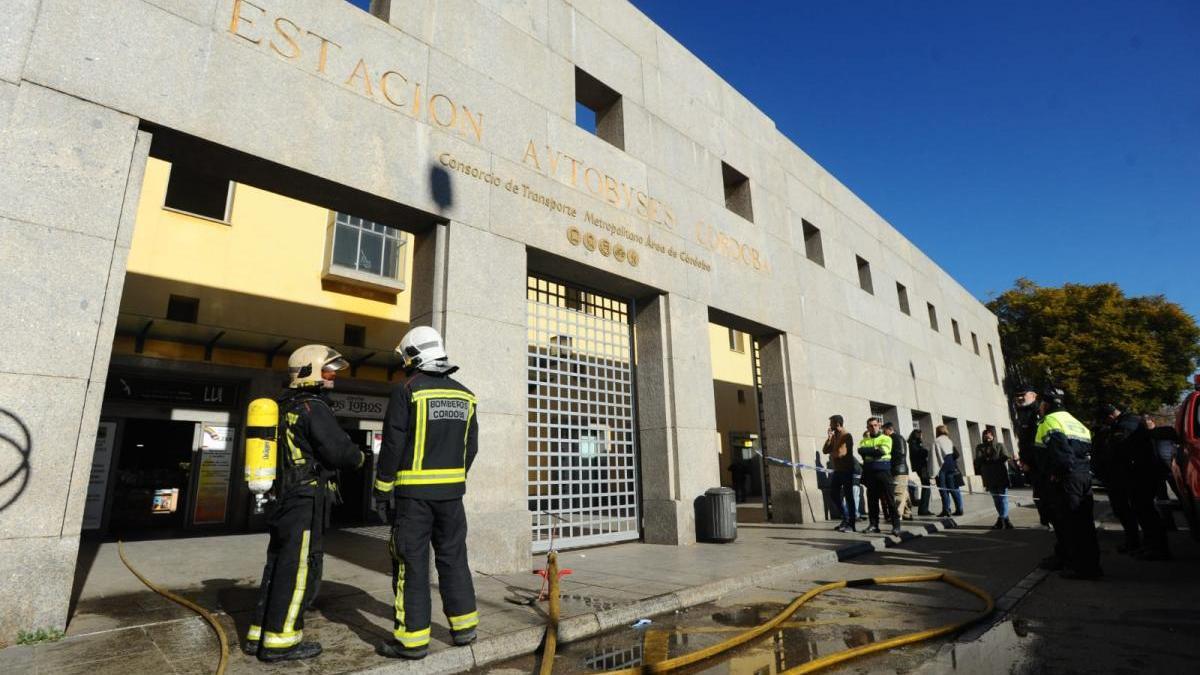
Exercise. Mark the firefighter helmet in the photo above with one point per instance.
(421, 348)
(306, 363)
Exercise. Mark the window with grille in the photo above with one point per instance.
(366, 252)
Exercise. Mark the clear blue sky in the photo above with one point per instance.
(1054, 140)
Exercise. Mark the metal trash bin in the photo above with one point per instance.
(719, 515)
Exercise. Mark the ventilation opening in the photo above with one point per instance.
(183, 308)
(954, 327)
(197, 193)
(864, 275)
(975, 343)
(354, 336)
(933, 323)
(812, 243)
(902, 297)
(737, 192)
(598, 109)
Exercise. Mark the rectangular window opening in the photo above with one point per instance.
(902, 297)
(812, 243)
(354, 336)
(992, 360)
(378, 8)
(737, 341)
(737, 192)
(198, 193)
(864, 275)
(933, 323)
(183, 308)
(598, 109)
(954, 327)
(975, 343)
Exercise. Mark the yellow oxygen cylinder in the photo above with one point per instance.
(262, 417)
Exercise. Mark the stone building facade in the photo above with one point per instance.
(459, 121)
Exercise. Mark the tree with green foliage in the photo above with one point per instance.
(1098, 345)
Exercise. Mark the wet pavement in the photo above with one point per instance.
(118, 626)
(832, 622)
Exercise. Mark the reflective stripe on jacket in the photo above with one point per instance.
(430, 438)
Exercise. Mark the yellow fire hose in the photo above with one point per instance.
(551, 642)
(832, 659)
(212, 621)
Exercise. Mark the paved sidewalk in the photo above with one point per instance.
(118, 626)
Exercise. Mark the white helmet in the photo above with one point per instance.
(422, 348)
(306, 363)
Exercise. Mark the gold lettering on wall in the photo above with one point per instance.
(597, 182)
(289, 38)
(237, 19)
(309, 49)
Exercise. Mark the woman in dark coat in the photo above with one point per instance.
(991, 461)
(918, 456)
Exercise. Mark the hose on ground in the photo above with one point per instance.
(212, 620)
(838, 657)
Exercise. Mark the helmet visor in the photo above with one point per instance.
(335, 364)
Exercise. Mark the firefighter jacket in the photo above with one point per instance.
(1064, 445)
(312, 445)
(430, 438)
(876, 452)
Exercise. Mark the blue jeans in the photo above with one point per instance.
(1000, 499)
(844, 485)
(947, 489)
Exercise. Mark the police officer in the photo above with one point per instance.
(312, 448)
(1062, 448)
(430, 439)
(1027, 415)
(876, 451)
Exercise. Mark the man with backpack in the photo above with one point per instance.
(312, 447)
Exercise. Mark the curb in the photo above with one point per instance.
(974, 645)
(527, 641)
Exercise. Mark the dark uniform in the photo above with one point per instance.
(1039, 477)
(430, 440)
(1062, 448)
(1134, 477)
(311, 448)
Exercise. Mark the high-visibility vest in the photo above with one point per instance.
(882, 443)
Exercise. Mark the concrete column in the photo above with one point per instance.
(70, 174)
(794, 494)
(480, 311)
(680, 450)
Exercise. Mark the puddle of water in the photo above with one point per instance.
(817, 629)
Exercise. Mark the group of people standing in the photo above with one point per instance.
(880, 463)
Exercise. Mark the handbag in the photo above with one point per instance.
(959, 481)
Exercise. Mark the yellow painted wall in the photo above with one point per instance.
(732, 371)
(261, 273)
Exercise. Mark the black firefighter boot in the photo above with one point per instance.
(394, 650)
(304, 650)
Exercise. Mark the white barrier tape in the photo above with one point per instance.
(909, 483)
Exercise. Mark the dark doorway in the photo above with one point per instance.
(154, 477)
(354, 484)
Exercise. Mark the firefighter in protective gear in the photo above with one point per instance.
(430, 438)
(1062, 447)
(311, 448)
